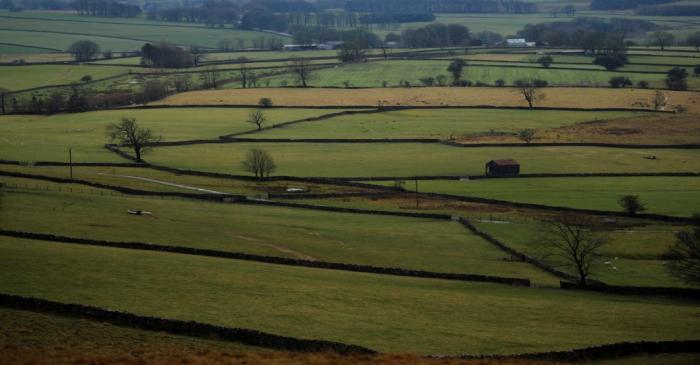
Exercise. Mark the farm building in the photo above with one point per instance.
(502, 168)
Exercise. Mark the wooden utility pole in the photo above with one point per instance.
(70, 162)
(416, 192)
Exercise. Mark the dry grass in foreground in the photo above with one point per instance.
(436, 96)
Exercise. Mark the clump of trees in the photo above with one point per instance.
(456, 68)
(352, 52)
(105, 8)
(165, 56)
(128, 133)
(436, 35)
(545, 61)
(593, 35)
(259, 163)
(619, 82)
(676, 79)
(611, 61)
(439, 6)
(83, 50)
(362, 38)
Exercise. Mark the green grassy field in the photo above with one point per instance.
(373, 74)
(31, 138)
(24, 77)
(436, 123)
(443, 317)
(411, 243)
(679, 196)
(631, 261)
(405, 159)
(47, 40)
(113, 33)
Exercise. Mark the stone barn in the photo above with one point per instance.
(502, 168)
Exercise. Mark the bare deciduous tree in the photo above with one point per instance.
(129, 133)
(574, 240)
(209, 77)
(661, 38)
(684, 255)
(530, 90)
(259, 163)
(301, 68)
(257, 117)
(243, 73)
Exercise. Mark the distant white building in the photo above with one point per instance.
(519, 42)
(331, 45)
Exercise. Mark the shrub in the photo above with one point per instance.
(545, 61)
(675, 79)
(265, 102)
(631, 204)
(643, 84)
(619, 81)
(611, 61)
(500, 83)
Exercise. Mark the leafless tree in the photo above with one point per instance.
(257, 117)
(259, 163)
(661, 38)
(209, 77)
(197, 54)
(573, 240)
(684, 255)
(243, 72)
(301, 68)
(128, 133)
(530, 90)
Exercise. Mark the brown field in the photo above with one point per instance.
(436, 96)
(682, 128)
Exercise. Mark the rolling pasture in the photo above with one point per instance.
(24, 77)
(85, 132)
(58, 30)
(440, 123)
(632, 256)
(415, 159)
(470, 317)
(676, 196)
(270, 231)
(394, 314)
(374, 74)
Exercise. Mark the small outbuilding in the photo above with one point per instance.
(502, 168)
